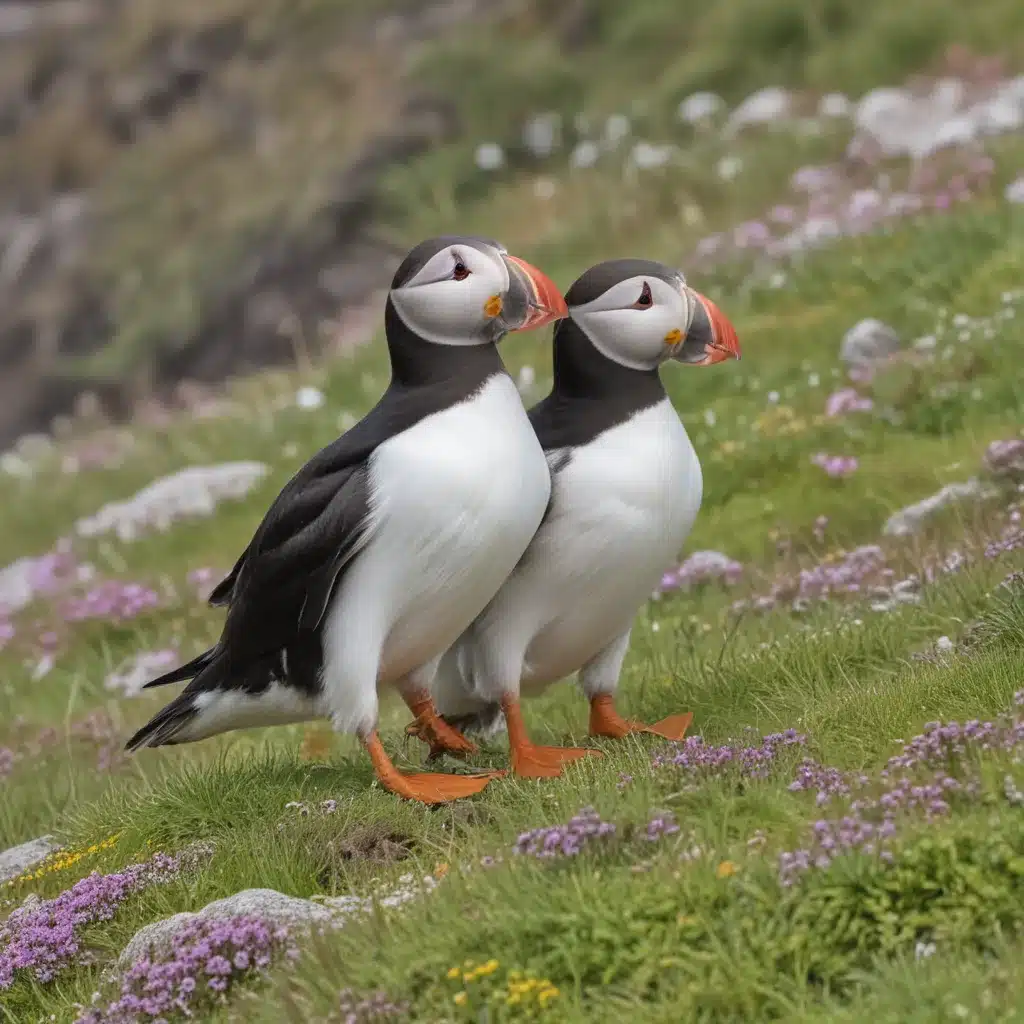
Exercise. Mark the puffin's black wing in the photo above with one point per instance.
(280, 587)
(284, 581)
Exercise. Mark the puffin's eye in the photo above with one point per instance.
(646, 300)
(461, 271)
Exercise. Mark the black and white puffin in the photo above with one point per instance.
(626, 488)
(383, 548)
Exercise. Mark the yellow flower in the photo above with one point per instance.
(461, 998)
(454, 973)
(726, 868)
(488, 968)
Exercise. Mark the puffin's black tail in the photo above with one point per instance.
(166, 724)
(186, 671)
(177, 723)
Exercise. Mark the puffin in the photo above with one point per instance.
(626, 489)
(387, 543)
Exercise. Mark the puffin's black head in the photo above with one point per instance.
(462, 290)
(640, 313)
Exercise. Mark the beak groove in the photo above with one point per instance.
(546, 304)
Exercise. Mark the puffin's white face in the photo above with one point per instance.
(642, 321)
(473, 294)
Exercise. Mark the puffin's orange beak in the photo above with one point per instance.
(714, 328)
(545, 300)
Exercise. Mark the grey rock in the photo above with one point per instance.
(268, 904)
(19, 859)
(189, 493)
(911, 519)
(867, 342)
(1005, 459)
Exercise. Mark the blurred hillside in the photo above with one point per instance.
(195, 189)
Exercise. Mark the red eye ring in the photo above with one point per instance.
(461, 271)
(646, 300)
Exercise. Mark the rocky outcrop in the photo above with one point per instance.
(83, 85)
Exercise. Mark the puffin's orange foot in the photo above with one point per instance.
(435, 787)
(672, 728)
(533, 762)
(426, 787)
(442, 737)
(605, 721)
(430, 727)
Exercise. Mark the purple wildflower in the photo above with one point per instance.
(752, 234)
(205, 957)
(702, 567)
(836, 466)
(1012, 539)
(814, 179)
(825, 781)
(111, 599)
(694, 755)
(564, 840)
(43, 936)
(663, 824)
(783, 214)
(710, 246)
(919, 781)
(846, 400)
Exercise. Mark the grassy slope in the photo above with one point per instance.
(599, 929)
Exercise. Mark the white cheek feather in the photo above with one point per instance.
(631, 336)
(446, 312)
(449, 312)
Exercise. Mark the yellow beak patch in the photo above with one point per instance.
(493, 307)
(673, 337)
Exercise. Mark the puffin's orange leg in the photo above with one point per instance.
(606, 721)
(426, 787)
(430, 727)
(529, 760)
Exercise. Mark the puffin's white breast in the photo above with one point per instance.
(456, 500)
(621, 511)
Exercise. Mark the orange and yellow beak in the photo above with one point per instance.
(544, 303)
(711, 337)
